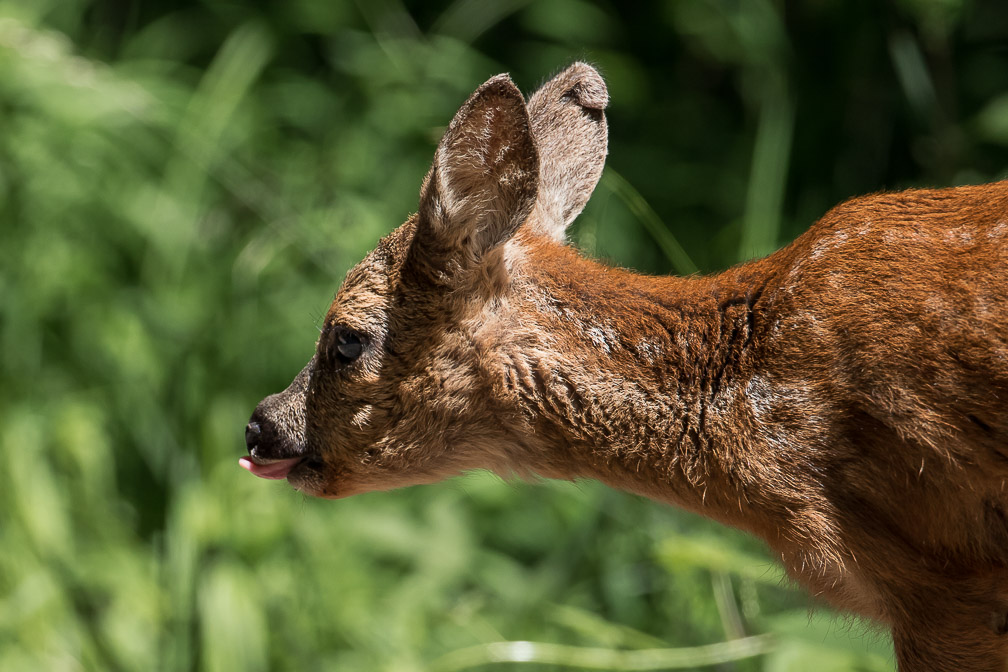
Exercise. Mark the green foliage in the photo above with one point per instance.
(183, 184)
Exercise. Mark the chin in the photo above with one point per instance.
(315, 478)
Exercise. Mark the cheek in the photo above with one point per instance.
(345, 430)
(447, 388)
(361, 418)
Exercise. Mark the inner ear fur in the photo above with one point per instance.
(485, 177)
(570, 131)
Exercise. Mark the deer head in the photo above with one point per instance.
(410, 379)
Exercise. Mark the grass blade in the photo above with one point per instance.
(645, 214)
(604, 659)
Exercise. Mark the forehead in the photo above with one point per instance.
(367, 286)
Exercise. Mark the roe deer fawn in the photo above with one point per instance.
(845, 399)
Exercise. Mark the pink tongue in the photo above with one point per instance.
(276, 469)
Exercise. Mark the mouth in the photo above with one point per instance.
(275, 469)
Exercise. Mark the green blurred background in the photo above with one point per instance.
(184, 183)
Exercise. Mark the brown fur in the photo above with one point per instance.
(844, 399)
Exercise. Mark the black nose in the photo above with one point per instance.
(253, 433)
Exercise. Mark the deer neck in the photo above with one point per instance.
(642, 381)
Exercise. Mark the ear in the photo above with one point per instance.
(570, 131)
(483, 183)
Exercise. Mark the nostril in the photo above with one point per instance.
(252, 434)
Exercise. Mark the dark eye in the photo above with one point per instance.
(349, 345)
